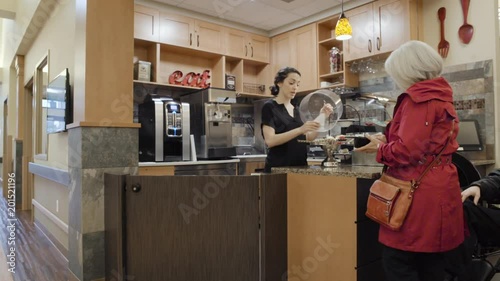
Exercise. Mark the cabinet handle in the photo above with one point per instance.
(197, 40)
(252, 50)
(378, 43)
(190, 39)
(246, 50)
(370, 45)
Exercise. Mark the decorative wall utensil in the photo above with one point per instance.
(443, 46)
(466, 31)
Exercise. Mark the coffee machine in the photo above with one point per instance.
(164, 132)
(211, 122)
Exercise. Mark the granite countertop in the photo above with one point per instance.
(184, 163)
(363, 172)
(482, 162)
(251, 157)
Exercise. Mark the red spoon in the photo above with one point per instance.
(466, 31)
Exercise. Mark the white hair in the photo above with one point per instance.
(413, 62)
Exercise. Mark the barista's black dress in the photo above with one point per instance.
(291, 153)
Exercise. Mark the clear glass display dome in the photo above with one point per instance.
(311, 105)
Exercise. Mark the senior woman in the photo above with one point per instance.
(423, 118)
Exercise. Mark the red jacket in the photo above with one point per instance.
(419, 130)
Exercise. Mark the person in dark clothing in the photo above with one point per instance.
(483, 225)
(282, 126)
(484, 222)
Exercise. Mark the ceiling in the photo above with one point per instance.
(266, 15)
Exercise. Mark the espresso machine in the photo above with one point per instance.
(164, 132)
(211, 123)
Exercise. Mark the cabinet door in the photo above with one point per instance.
(209, 37)
(258, 48)
(236, 41)
(392, 26)
(306, 56)
(283, 51)
(146, 23)
(176, 30)
(361, 44)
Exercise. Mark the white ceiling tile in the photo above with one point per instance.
(207, 7)
(313, 7)
(280, 19)
(170, 2)
(252, 12)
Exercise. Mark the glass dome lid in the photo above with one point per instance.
(311, 105)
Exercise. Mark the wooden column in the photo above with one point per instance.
(103, 81)
(103, 137)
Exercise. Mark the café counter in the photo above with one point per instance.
(329, 236)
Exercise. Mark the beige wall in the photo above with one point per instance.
(47, 193)
(482, 15)
(57, 38)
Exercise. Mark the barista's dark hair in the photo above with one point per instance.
(280, 77)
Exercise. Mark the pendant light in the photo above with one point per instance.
(343, 29)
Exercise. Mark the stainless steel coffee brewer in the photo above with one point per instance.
(164, 133)
(211, 122)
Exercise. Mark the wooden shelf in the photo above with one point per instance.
(167, 85)
(249, 95)
(331, 75)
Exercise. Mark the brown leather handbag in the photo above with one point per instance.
(390, 198)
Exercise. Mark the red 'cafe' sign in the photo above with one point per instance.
(191, 79)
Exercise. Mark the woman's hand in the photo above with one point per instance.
(309, 126)
(474, 191)
(327, 109)
(375, 142)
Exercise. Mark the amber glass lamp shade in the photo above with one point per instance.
(343, 29)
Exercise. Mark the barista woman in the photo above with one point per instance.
(281, 124)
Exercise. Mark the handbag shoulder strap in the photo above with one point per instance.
(416, 183)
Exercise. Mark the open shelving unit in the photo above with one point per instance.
(326, 41)
(166, 59)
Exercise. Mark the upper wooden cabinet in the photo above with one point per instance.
(297, 48)
(246, 45)
(377, 28)
(191, 33)
(146, 23)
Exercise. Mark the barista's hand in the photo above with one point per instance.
(327, 109)
(374, 144)
(309, 126)
(473, 191)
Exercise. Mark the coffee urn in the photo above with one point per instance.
(211, 122)
(164, 132)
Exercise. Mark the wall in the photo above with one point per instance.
(47, 193)
(482, 15)
(56, 38)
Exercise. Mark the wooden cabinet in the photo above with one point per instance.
(246, 45)
(377, 28)
(146, 23)
(187, 32)
(297, 48)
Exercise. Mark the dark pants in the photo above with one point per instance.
(484, 232)
(483, 223)
(410, 266)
